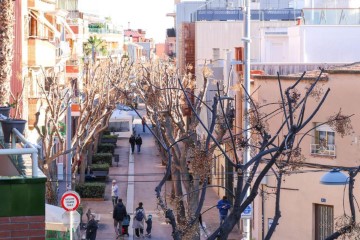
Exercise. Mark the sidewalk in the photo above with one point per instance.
(137, 175)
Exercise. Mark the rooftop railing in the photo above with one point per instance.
(105, 31)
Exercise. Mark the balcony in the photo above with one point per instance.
(41, 52)
(323, 150)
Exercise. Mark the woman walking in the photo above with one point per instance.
(138, 223)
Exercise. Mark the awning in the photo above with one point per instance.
(67, 27)
(44, 21)
(53, 218)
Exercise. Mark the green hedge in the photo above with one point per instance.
(102, 158)
(91, 190)
(100, 167)
(106, 148)
(108, 136)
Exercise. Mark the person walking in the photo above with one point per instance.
(91, 228)
(148, 226)
(143, 122)
(114, 192)
(138, 142)
(223, 205)
(132, 143)
(138, 223)
(119, 214)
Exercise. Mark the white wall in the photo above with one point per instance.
(311, 44)
(330, 43)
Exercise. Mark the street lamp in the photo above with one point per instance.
(334, 177)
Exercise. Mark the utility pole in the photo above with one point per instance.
(246, 40)
(68, 144)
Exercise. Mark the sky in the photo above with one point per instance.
(149, 15)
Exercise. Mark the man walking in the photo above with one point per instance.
(114, 192)
(138, 142)
(223, 205)
(132, 143)
(91, 228)
(143, 122)
(118, 216)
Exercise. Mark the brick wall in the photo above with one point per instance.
(22, 228)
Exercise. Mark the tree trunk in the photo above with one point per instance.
(51, 186)
(83, 166)
(6, 48)
(179, 202)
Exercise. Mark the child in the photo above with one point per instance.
(125, 225)
(148, 226)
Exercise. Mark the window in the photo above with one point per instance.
(324, 221)
(324, 141)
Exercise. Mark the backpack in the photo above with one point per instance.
(139, 215)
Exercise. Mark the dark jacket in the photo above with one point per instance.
(223, 206)
(91, 229)
(119, 212)
(132, 140)
(148, 225)
(138, 141)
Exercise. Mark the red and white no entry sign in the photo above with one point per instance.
(70, 200)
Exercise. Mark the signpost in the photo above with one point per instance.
(247, 213)
(70, 201)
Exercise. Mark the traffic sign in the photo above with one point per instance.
(70, 200)
(247, 213)
(71, 223)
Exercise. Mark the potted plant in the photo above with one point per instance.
(5, 110)
(8, 125)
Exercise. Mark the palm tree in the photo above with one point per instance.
(6, 48)
(93, 46)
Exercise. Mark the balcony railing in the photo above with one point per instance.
(233, 14)
(323, 150)
(104, 31)
(331, 16)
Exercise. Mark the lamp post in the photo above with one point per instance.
(246, 40)
(335, 177)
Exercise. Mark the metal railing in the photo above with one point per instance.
(234, 14)
(28, 148)
(104, 31)
(331, 16)
(323, 150)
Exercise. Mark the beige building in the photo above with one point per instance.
(309, 209)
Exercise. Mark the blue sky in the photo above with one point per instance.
(149, 15)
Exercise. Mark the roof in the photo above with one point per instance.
(347, 68)
(132, 33)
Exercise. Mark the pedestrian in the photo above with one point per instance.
(91, 228)
(132, 143)
(119, 214)
(223, 205)
(114, 192)
(148, 226)
(138, 223)
(138, 142)
(143, 122)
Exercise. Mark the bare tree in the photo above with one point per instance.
(189, 157)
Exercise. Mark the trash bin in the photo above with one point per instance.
(116, 159)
